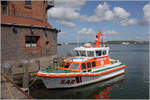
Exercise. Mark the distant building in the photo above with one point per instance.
(26, 34)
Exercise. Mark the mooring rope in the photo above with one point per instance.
(27, 95)
(9, 91)
(32, 82)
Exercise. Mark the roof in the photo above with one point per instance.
(23, 21)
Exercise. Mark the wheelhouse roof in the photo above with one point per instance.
(90, 49)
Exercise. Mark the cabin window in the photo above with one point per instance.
(67, 65)
(88, 65)
(62, 64)
(98, 53)
(32, 41)
(104, 52)
(83, 66)
(77, 52)
(74, 66)
(93, 64)
(90, 53)
(28, 3)
(82, 53)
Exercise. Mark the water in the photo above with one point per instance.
(134, 84)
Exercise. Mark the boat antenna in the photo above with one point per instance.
(103, 40)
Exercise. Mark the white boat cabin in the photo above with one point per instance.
(91, 51)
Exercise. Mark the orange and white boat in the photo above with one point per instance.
(92, 64)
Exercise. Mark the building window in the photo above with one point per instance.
(47, 43)
(28, 3)
(32, 42)
(4, 7)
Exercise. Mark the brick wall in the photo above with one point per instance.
(37, 10)
(12, 43)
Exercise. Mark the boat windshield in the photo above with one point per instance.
(82, 53)
(74, 66)
(77, 53)
(65, 65)
(69, 65)
(90, 53)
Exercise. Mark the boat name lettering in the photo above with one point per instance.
(67, 82)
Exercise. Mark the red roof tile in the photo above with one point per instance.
(23, 21)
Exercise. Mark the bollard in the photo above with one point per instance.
(26, 74)
(38, 63)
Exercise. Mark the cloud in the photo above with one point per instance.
(65, 23)
(103, 13)
(74, 4)
(109, 16)
(121, 13)
(86, 31)
(101, 9)
(146, 11)
(63, 32)
(65, 11)
(128, 22)
(110, 32)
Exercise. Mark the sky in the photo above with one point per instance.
(81, 20)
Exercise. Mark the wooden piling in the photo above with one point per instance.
(26, 74)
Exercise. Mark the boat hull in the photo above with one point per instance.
(70, 82)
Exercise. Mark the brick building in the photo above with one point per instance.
(26, 34)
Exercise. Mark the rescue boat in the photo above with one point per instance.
(91, 64)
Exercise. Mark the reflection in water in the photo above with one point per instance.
(92, 91)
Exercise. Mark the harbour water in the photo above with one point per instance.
(134, 84)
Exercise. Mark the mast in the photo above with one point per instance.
(98, 39)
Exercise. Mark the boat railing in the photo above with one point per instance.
(114, 61)
(77, 57)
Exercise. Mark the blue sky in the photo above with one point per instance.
(80, 20)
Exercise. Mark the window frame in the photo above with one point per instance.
(98, 53)
(90, 53)
(82, 65)
(94, 63)
(47, 45)
(89, 64)
(77, 67)
(81, 52)
(28, 4)
(4, 6)
(104, 52)
(67, 63)
(39, 47)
